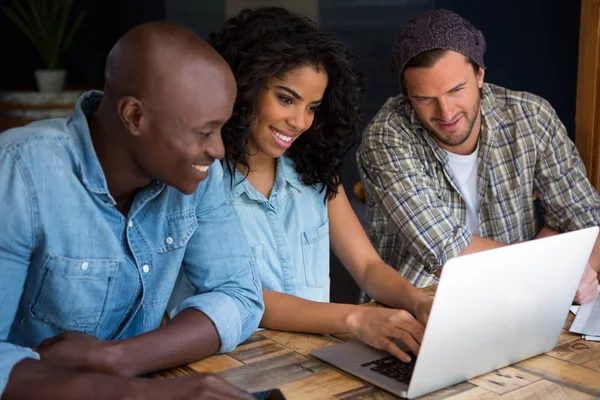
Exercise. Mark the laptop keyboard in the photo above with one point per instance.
(393, 368)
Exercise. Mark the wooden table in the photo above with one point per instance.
(271, 359)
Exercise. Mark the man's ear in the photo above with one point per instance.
(480, 76)
(130, 112)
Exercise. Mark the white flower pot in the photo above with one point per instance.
(50, 80)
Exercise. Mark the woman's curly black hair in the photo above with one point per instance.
(270, 41)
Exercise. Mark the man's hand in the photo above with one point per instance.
(80, 352)
(588, 287)
(423, 309)
(32, 379)
(379, 326)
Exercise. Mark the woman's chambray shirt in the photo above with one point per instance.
(288, 233)
(70, 261)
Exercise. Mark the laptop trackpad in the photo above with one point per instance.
(375, 366)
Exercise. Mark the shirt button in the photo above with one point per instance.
(84, 265)
(130, 224)
(169, 240)
(146, 268)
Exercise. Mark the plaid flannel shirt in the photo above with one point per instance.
(415, 212)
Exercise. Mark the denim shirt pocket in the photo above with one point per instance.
(315, 254)
(177, 231)
(73, 293)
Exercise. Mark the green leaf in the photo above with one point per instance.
(53, 61)
(18, 21)
(40, 23)
(69, 39)
(42, 10)
(45, 23)
(43, 37)
(61, 25)
(25, 16)
(55, 10)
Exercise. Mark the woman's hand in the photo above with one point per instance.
(378, 327)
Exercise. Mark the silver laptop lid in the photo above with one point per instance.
(498, 307)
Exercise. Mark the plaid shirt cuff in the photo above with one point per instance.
(456, 243)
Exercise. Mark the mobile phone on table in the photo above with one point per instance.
(273, 394)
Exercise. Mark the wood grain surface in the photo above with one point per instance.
(270, 359)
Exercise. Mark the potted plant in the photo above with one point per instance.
(46, 24)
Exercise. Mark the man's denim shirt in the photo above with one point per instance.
(288, 233)
(69, 260)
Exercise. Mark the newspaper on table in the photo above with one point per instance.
(593, 338)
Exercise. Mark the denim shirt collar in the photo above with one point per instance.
(286, 170)
(90, 170)
(286, 174)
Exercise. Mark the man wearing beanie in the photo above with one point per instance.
(451, 164)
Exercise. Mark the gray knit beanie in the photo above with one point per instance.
(436, 29)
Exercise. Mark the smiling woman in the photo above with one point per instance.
(262, 47)
(287, 107)
(295, 117)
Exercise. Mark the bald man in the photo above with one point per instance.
(99, 213)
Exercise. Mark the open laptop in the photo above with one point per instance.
(491, 309)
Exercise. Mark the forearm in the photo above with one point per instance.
(188, 337)
(285, 312)
(481, 244)
(352, 246)
(477, 244)
(385, 285)
(546, 231)
(32, 379)
(595, 257)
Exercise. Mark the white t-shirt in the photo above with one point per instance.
(464, 169)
